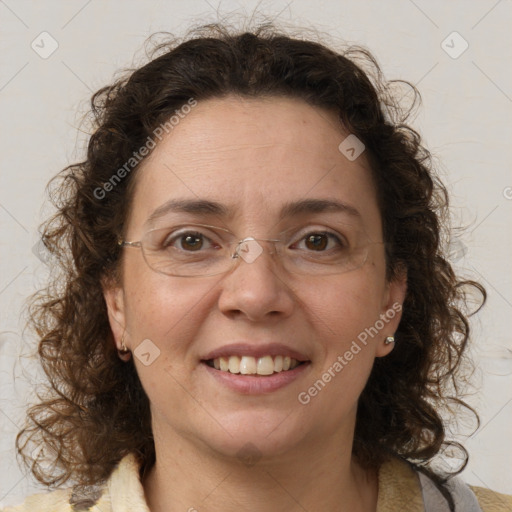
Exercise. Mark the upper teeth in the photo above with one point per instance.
(248, 365)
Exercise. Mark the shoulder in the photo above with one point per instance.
(400, 488)
(56, 501)
(122, 487)
(63, 500)
(492, 501)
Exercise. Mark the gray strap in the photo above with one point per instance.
(434, 501)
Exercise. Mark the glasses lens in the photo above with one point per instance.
(324, 251)
(196, 250)
(189, 251)
(321, 264)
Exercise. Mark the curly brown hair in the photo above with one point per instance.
(95, 410)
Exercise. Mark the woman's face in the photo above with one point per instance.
(254, 157)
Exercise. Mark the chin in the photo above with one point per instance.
(255, 435)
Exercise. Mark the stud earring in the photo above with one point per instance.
(389, 340)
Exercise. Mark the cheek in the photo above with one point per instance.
(348, 304)
(159, 307)
(341, 310)
(167, 311)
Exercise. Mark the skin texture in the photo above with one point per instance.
(253, 155)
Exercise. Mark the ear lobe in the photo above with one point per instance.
(392, 311)
(114, 299)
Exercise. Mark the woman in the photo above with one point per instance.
(254, 310)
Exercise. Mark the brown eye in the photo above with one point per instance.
(184, 241)
(191, 241)
(188, 241)
(316, 242)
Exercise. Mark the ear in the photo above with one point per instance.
(114, 298)
(391, 312)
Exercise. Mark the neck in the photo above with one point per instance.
(322, 476)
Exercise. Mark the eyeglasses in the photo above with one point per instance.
(201, 250)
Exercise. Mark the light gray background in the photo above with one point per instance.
(465, 120)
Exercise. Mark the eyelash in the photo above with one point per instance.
(325, 233)
(180, 236)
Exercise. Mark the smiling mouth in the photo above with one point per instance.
(259, 366)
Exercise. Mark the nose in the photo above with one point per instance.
(256, 288)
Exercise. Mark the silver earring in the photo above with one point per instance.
(389, 340)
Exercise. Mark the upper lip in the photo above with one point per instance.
(259, 350)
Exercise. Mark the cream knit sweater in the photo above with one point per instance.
(399, 490)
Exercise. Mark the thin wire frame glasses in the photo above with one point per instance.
(202, 250)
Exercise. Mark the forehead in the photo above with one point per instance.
(254, 156)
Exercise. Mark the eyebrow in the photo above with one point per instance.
(206, 207)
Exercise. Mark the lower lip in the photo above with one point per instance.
(256, 385)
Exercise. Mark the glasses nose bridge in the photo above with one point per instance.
(250, 248)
